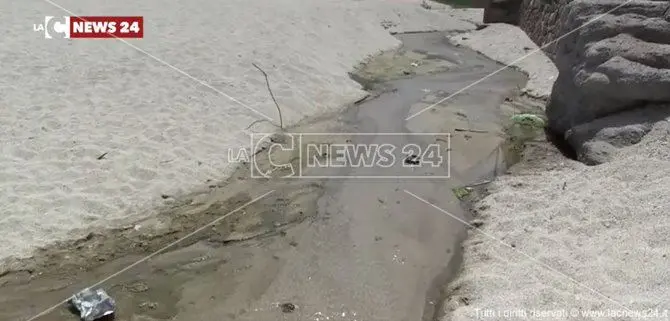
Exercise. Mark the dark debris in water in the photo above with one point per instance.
(287, 307)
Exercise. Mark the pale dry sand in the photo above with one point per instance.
(509, 45)
(66, 103)
(562, 236)
(564, 241)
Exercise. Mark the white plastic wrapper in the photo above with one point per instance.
(93, 305)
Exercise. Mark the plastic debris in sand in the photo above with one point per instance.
(93, 304)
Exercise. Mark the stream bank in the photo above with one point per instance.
(337, 248)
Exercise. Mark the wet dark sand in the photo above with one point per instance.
(337, 249)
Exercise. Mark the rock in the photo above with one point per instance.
(538, 18)
(502, 11)
(617, 63)
(480, 3)
(595, 153)
(596, 141)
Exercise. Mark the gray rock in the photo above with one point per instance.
(539, 19)
(597, 141)
(616, 63)
(501, 11)
(596, 153)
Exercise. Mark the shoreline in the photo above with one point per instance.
(557, 239)
(97, 253)
(97, 133)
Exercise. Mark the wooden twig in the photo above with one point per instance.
(481, 183)
(259, 121)
(267, 82)
(495, 166)
(470, 130)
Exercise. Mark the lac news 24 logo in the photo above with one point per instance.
(91, 27)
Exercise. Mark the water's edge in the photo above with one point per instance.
(298, 207)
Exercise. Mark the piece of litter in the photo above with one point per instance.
(414, 64)
(287, 307)
(93, 305)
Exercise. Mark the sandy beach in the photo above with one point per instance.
(335, 249)
(100, 133)
(114, 171)
(116, 151)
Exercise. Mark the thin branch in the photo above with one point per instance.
(267, 82)
(260, 121)
(470, 130)
(495, 166)
(480, 183)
